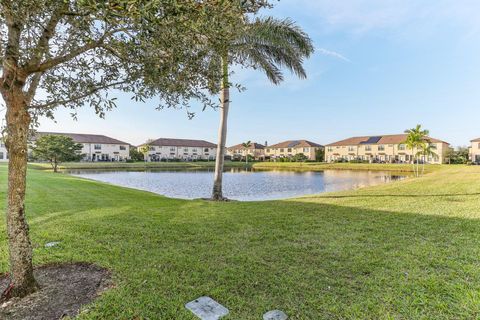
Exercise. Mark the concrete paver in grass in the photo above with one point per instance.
(275, 315)
(206, 308)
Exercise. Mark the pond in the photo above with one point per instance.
(240, 184)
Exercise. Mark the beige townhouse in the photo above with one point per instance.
(180, 149)
(3, 152)
(239, 152)
(290, 148)
(475, 151)
(385, 148)
(96, 147)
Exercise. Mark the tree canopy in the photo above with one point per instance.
(56, 149)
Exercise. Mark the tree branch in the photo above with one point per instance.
(42, 45)
(67, 57)
(78, 97)
(32, 89)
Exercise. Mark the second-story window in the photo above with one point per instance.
(289, 150)
(268, 150)
(123, 148)
(185, 149)
(172, 149)
(350, 148)
(381, 148)
(281, 150)
(306, 149)
(401, 147)
(368, 148)
(97, 147)
(205, 150)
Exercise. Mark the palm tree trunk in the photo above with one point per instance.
(22, 281)
(217, 193)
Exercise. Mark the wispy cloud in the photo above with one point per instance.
(333, 54)
(362, 16)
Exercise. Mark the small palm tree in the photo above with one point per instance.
(426, 151)
(416, 138)
(246, 145)
(267, 44)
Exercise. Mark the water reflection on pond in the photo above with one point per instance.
(240, 184)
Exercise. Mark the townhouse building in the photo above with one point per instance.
(239, 152)
(164, 149)
(475, 151)
(385, 148)
(96, 147)
(3, 152)
(290, 148)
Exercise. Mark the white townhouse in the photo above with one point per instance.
(164, 149)
(96, 147)
(3, 152)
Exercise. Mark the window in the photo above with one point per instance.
(151, 148)
(306, 149)
(433, 146)
(368, 148)
(185, 149)
(268, 150)
(123, 148)
(289, 150)
(381, 148)
(1, 155)
(2, 145)
(194, 150)
(401, 147)
(172, 149)
(329, 149)
(350, 148)
(97, 147)
(205, 150)
(281, 150)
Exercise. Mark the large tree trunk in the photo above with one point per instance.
(22, 281)
(217, 193)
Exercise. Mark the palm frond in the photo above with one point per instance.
(271, 44)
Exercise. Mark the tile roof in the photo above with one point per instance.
(182, 143)
(383, 139)
(295, 144)
(476, 140)
(253, 145)
(82, 138)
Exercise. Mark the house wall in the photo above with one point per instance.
(242, 153)
(105, 152)
(3, 152)
(475, 152)
(385, 152)
(290, 152)
(158, 153)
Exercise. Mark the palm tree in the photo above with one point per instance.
(246, 145)
(426, 151)
(416, 138)
(267, 44)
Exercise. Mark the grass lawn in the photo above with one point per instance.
(406, 250)
(318, 166)
(138, 165)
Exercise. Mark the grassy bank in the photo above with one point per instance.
(137, 165)
(318, 166)
(406, 250)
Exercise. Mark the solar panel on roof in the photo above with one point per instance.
(293, 144)
(371, 140)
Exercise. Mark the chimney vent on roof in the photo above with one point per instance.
(266, 144)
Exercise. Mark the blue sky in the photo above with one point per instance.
(380, 66)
